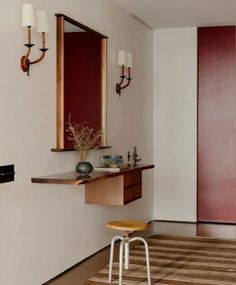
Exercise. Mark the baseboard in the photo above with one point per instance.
(194, 223)
(217, 223)
(171, 221)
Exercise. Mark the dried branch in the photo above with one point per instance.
(84, 138)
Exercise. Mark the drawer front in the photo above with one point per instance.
(133, 177)
(138, 191)
(132, 193)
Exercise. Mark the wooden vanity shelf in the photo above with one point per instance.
(104, 188)
(73, 149)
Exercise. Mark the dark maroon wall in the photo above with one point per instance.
(82, 79)
(216, 124)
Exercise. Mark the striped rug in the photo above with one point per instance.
(178, 260)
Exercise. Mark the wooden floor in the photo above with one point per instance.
(88, 268)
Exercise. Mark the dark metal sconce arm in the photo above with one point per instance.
(118, 85)
(122, 75)
(127, 84)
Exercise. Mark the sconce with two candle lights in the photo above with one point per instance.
(124, 60)
(28, 21)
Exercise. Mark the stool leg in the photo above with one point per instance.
(121, 262)
(147, 256)
(126, 254)
(112, 255)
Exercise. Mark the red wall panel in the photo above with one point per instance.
(82, 80)
(217, 124)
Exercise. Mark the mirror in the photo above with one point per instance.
(81, 79)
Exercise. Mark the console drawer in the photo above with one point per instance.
(133, 177)
(132, 193)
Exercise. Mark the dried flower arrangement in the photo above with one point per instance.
(84, 138)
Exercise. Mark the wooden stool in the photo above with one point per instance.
(127, 226)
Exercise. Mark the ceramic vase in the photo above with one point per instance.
(84, 168)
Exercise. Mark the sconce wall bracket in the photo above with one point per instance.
(119, 87)
(24, 63)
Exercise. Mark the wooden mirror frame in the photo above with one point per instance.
(60, 21)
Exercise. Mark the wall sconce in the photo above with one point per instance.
(124, 60)
(28, 21)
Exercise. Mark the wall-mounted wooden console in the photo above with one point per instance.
(107, 188)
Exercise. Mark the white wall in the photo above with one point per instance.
(47, 228)
(174, 116)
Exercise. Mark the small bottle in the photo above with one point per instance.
(128, 158)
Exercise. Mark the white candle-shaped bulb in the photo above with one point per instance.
(121, 58)
(28, 17)
(42, 22)
(129, 60)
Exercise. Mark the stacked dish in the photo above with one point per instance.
(112, 160)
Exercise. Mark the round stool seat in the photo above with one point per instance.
(127, 225)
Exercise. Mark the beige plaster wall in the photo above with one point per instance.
(45, 229)
(175, 124)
